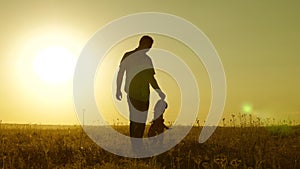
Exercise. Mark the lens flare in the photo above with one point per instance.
(247, 108)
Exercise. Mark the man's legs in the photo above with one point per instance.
(138, 116)
(137, 129)
(138, 111)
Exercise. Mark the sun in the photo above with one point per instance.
(54, 64)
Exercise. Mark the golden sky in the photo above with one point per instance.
(257, 41)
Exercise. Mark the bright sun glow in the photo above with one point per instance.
(54, 64)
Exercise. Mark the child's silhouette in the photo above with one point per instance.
(157, 127)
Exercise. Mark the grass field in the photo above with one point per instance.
(37, 146)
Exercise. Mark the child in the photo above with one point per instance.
(157, 127)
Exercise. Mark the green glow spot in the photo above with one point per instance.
(247, 108)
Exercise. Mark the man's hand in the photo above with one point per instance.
(161, 94)
(119, 95)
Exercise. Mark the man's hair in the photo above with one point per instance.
(146, 41)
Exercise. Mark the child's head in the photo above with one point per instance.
(159, 108)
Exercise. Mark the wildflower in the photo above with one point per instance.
(235, 163)
(221, 161)
(197, 159)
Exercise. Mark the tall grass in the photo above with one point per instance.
(238, 145)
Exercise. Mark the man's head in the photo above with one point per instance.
(145, 42)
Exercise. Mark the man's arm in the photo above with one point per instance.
(153, 81)
(155, 86)
(119, 82)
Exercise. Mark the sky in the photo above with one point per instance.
(257, 42)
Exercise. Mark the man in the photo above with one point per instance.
(139, 74)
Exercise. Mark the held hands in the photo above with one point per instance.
(161, 94)
(119, 95)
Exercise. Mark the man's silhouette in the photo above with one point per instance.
(139, 74)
